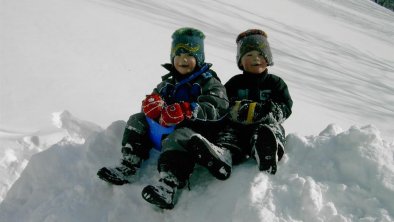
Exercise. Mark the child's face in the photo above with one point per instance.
(254, 62)
(185, 63)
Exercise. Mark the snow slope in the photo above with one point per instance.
(93, 58)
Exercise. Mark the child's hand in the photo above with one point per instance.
(171, 115)
(248, 112)
(152, 106)
(269, 119)
(276, 111)
(261, 110)
(187, 110)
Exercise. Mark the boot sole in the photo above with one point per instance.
(109, 177)
(210, 159)
(149, 194)
(266, 150)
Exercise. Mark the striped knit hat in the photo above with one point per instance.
(253, 39)
(188, 40)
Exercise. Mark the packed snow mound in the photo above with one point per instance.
(336, 176)
(76, 128)
(16, 148)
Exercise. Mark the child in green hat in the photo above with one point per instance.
(176, 117)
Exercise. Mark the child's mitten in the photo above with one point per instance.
(248, 112)
(269, 119)
(276, 111)
(171, 115)
(187, 109)
(152, 106)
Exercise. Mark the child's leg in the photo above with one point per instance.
(175, 165)
(136, 135)
(136, 146)
(200, 150)
(216, 159)
(181, 150)
(231, 138)
(264, 148)
(280, 135)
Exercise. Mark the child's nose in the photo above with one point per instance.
(183, 56)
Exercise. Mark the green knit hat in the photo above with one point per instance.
(253, 39)
(188, 40)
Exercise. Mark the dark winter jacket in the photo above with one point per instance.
(202, 88)
(263, 88)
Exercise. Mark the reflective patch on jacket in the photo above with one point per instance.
(263, 95)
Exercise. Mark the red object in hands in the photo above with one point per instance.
(152, 106)
(187, 110)
(171, 115)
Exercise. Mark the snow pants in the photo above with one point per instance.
(238, 139)
(136, 134)
(175, 155)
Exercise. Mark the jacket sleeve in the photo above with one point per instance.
(213, 103)
(281, 102)
(230, 90)
(159, 87)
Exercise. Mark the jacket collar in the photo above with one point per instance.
(257, 75)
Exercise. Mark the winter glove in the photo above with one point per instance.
(152, 106)
(248, 112)
(269, 119)
(171, 115)
(276, 112)
(187, 109)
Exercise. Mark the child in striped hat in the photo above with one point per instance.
(259, 103)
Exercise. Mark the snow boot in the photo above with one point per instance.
(126, 172)
(216, 159)
(265, 148)
(163, 194)
(229, 138)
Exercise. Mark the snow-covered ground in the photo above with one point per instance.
(93, 58)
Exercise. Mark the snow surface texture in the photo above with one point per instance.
(93, 58)
(335, 176)
(17, 149)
